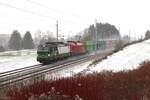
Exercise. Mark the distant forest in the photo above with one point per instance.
(103, 31)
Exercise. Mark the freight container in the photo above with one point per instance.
(76, 48)
(89, 46)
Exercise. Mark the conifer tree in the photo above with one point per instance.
(15, 42)
(28, 41)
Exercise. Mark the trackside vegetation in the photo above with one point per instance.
(107, 85)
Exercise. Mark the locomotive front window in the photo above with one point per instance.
(42, 48)
(46, 48)
(50, 50)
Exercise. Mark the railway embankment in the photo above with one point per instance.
(124, 85)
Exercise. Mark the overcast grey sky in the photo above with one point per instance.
(73, 15)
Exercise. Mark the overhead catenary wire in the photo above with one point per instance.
(41, 15)
(22, 24)
(38, 14)
(25, 18)
(58, 11)
(27, 11)
(62, 12)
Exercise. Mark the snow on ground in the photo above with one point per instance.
(127, 59)
(69, 71)
(11, 60)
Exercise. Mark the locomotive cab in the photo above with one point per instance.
(52, 51)
(45, 53)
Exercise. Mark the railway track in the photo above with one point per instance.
(9, 77)
(18, 70)
(18, 75)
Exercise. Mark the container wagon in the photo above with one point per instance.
(76, 48)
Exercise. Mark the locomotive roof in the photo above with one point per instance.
(74, 41)
(54, 44)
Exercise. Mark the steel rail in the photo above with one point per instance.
(25, 68)
(18, 70)
(39, 70)
(20, 74)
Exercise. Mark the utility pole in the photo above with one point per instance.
(96, 38)
(130, 34)
(96, 35)
(135, 36)
(57, 30)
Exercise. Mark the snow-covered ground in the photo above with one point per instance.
(11, 60)
(127, 59)
(68, 72)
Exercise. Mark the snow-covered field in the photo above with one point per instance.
(17, 59)
(127, 59)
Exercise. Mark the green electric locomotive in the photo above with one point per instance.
(52, 51)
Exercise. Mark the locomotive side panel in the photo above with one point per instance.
(63, 49)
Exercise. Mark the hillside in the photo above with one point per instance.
(127, 59)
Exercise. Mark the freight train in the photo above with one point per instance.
(54, 51)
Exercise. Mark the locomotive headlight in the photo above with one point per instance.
(48, 54)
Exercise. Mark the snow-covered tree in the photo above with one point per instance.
(15, 41)
(28, 41)
(147, 34)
